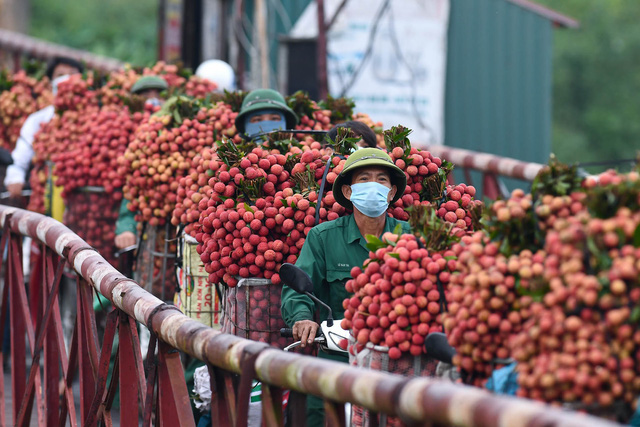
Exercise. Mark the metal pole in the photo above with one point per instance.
(321, 53)
(165, 253)
(263, 42)
(241, 52)
(161, 15)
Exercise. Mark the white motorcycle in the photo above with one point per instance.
(330, 334)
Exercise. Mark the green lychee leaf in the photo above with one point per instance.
(636, 237)
(374, 243)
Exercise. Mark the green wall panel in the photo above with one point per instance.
(498, 93)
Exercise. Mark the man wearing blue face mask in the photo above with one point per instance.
(58, 71)
(262, 111)
(368, 184)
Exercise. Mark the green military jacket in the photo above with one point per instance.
(126, 219)
(329, 253)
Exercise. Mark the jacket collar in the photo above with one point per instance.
(353, 232)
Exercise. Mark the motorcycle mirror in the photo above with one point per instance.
(438, 347)
(296, 278)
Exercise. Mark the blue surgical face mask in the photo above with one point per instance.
(370, 198)
(252, 129)
(154, 101)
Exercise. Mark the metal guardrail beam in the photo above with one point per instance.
(14, 42)
(488, 163)
(418, 400)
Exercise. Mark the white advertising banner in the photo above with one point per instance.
(390, 57)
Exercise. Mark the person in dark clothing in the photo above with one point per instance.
(359, 129)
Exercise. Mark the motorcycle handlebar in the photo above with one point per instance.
(286, 332)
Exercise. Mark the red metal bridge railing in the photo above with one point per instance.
(154, 391)
(17, 45)
(492, 167)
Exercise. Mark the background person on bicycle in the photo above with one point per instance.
(369, 182)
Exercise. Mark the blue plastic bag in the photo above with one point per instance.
(504, 380)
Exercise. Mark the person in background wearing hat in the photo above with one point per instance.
(152, 89)
(59, 69)
(365, 133)
(218, 72)
(369, 182)
(264, 110)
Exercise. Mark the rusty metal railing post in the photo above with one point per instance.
(173, 397)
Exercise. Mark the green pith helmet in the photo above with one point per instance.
(149, 82)
(265, 99)
(367, 157)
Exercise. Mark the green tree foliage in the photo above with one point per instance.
(596, 81)
(122, 29)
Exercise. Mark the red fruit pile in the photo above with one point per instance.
(314, 115)
(582, 348)
(562, 302)
(23, 96)
(160, 153)
(198, 87)
(38, 182)
(426, 174)
(76, 94)
(397, 301)
(117, 88)
(194, 191)
(458, 207)
(92, 159)
(485, 307)
(92, 216)
(172, 73)
(62, 131)
(261, 207)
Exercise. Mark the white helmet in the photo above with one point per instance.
(218, 72)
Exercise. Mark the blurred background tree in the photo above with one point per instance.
(596, 81)
(122, 29)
